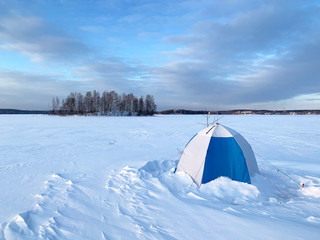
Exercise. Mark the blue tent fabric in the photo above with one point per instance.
(225, 158)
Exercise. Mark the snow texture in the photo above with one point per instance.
(113, 178)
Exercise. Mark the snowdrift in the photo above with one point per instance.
(157, 203)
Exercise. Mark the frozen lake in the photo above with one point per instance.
(112, 178)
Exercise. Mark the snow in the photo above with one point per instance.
(113, 178)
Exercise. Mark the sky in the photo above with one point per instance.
(192, 54)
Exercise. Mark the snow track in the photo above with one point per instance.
(59, 213)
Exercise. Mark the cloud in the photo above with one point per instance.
(92, 29)
(294, 75)
(39, 40)
(264, 52)
(32, 91)
(112, 74)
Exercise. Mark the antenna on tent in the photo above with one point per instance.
(217, 121)
(217, 113)
(207, 116)
(208, 124)
(217, 116)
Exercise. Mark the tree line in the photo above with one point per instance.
(107, 103)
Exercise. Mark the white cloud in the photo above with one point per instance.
(38, 39)
(32, 91)
(260, 53)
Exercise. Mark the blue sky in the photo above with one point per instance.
(194, 54)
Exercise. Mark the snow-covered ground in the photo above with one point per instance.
(112, 178)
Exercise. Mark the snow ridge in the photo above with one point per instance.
(58, 214)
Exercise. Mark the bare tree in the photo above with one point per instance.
(88, 103)
(109, 103)
(141, 107)
(96, 102)
(55, 105)
(80, 104)
(150, 105)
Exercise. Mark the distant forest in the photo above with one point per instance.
(107, 103)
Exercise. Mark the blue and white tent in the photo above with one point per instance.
(218, 151)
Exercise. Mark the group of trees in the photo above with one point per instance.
(107, 103)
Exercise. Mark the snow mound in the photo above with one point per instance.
(137, 194)
(145, 198)
(224, 189)
(159, 176)
(181, 185)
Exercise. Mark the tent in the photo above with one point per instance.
(218, 151)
